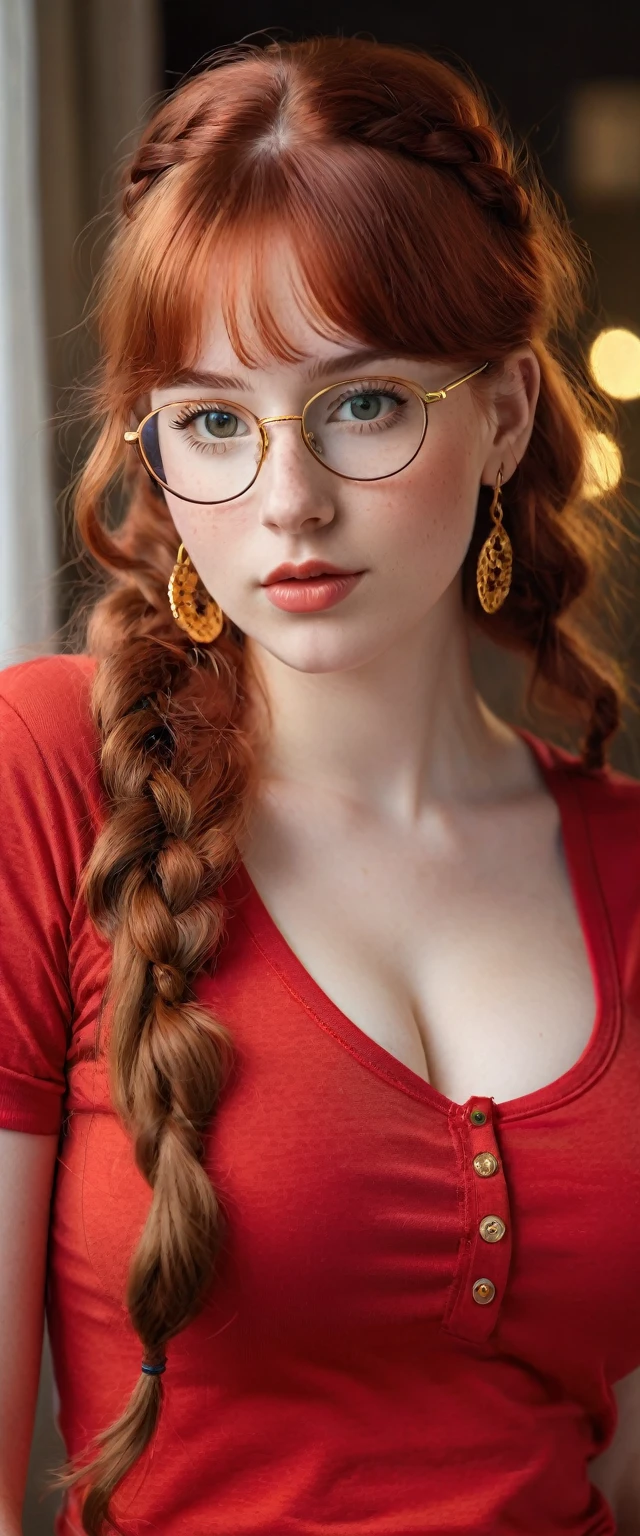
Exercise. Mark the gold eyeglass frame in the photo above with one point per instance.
(426, 397)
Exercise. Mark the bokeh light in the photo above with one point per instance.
(603, 467)
(615, 363)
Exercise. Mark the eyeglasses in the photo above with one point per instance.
(210, 451)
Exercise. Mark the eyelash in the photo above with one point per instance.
(374, 386)
(192, 414)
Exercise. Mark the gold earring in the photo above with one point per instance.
(495, 561)
(194, 610)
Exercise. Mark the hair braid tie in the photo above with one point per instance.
(154, 1370)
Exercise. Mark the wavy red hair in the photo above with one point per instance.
(416, 230)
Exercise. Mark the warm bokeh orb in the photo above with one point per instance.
(615, 362)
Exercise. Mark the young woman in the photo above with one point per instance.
(321, 981)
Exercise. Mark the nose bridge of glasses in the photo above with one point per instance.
(265, 419)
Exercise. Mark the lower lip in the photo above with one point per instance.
(311, 596)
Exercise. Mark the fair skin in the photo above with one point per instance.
(400, 825)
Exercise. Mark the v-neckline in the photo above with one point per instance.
(556, 769)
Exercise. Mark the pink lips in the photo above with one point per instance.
(312, 595)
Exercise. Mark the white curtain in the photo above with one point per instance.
(27, 541)
(77, 80)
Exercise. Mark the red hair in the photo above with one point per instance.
(416, 230)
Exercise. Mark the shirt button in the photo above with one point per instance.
(485, 1164)
(477, 1117)
(483, 1291)
(492, 1229)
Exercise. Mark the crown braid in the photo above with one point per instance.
(473, 152)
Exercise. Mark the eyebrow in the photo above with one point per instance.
(320, 370)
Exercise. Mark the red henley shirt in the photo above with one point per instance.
(368, 1364)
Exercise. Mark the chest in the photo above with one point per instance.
(459, 950)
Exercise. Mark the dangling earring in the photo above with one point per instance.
(495, 561)
(194, 610)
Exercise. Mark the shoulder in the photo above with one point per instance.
(49, 700)
(49, 764)
(50, 691)
(609, 797)
(50, 811)
(602, 816)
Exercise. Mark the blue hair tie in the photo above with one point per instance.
(154, 1370)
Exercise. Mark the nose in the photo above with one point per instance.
(292, 486)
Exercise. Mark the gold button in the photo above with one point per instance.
(483, 1291)
(477, 1117)
(485, 1164)
(492, 1229)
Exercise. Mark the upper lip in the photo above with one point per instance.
(308, 568)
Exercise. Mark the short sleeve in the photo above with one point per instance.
(42, 819)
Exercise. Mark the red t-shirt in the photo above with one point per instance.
(342, 1377)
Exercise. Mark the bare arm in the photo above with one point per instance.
(27, 1166)
(617, 1471)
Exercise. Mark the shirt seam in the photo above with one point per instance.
(615, 1001)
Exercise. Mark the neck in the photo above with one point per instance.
(404, 731)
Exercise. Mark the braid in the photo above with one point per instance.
(473, 152)
(547, 581)
(150, 161)
(158, 897)
(565, 661)
(152, 887)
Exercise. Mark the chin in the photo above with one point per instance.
(317, 653)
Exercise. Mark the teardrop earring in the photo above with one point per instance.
(495, 561)
(192, 608)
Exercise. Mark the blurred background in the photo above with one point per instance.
(78, 79)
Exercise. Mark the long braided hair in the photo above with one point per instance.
(417, 230)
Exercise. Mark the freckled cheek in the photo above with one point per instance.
(448, 468)
(214, 541)
(431, 506)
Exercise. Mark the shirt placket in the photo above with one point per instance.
(484, 1252)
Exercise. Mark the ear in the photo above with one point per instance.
(142, 405)
(513, 401)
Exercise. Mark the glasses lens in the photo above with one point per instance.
(205, 451)
(366, 429)
(209, 451)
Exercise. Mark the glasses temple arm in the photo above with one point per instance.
(441, 394)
